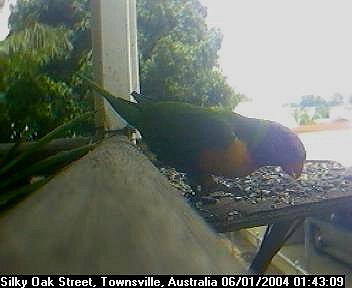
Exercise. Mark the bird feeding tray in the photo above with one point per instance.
(269, 195)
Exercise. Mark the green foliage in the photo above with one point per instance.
(17, 169)
(178, 54)
(48, 45)
(318, 101)
(72, 14)
(302, 117)
(35, 45)
(50, 28)
(319, 104)
(312, 101)
(38, 104)
(321, 112)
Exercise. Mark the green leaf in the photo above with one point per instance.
(38, 43)
(43, 141)
(2, 97)
(10, 154)
(47, 165)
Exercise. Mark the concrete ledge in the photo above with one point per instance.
(110, 212)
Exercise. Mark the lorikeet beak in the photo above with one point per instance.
(294, 170)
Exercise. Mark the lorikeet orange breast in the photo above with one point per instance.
(201, 141)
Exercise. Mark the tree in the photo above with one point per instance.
(49, 44)
(72, 16)
(321, 112)
(25, 101)
(42, 57)
(312, 101)
(302, 117)
(178, 54)
(320, 105)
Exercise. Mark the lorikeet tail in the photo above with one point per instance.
(130, 111)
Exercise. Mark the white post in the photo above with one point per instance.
(134, 47)
(115, 53)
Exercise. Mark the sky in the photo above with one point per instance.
(276, 51)
(4, 15)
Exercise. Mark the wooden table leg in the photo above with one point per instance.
(274, 238)
(308, 242)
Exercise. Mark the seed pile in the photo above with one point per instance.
(274, 188)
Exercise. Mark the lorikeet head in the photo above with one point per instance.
(279, 146)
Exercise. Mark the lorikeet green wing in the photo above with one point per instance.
(179, 133)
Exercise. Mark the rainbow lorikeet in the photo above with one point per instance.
(204, 142)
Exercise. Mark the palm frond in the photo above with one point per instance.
(47, 165)
(14, 184)
(44, 140)
(38, 42)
